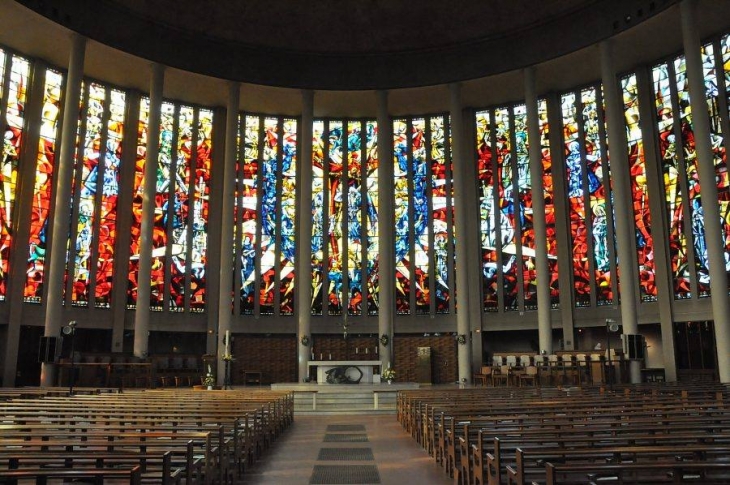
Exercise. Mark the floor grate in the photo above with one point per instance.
(345, 454)
(346, 427)
(346, 438)
(344, 474)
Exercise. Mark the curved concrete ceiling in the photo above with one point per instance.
(348, 44)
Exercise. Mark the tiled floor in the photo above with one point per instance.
(398, 460)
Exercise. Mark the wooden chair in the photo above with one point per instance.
(481, 377)
(530, 375)
(501, 376)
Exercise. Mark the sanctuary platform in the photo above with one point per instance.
(313, 398)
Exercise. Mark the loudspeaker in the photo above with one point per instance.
(634, 346)
(49, 349)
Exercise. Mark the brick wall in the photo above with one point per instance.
(443, 357)
(276, 355)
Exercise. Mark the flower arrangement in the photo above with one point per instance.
(209, 379)
(228, 357)
(461, 339)
(388, 374)
(384, 339)
(304, 340)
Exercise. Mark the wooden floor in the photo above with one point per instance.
(397, 458)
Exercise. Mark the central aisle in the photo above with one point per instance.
(346, 449)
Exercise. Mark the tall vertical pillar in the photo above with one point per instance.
(542, 268)
(562, 228)
(706, 168)
(142, 310)
(226, 255)
(304, 235)
(386, 258)
(622, 199)
(462, 223)
(64, 176)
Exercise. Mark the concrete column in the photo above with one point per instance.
(56, 261)
(142, 310)
(461, 224)
(706, 168)
(22, 214)
(225, 275)
(622, 199)
(542, 268)
(386, 261)
(562, 225)
(304, 235)
(655, 181)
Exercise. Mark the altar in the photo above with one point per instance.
(350, 369)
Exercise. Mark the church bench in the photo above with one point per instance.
(88, 475)
(490, 454)
(673, 472)
(452, 442)
(201, 458)
(160, 468)
(531, 461)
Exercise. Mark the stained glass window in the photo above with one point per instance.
(266, 211)
(639, 191)
(718, 143)
(589, 197)
(441, 207)
(487, 211)
(401, 156)
(549, 196)
(288, 217)
(597, 173)
(319, 143)
(344, 206)
(16, 93)
(506, 214)
(371, 214)
(137, 197)
(180, 222)
(423, 223)
(681, 181)
(109, 200)
(43, 186)
(201, 197)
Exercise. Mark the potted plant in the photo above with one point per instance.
(388, 374)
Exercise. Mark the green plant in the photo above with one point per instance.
(209, 380)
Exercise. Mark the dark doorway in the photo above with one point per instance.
(695, 351)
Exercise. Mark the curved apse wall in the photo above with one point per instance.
(577, 189)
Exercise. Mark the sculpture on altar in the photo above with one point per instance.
(340, 375)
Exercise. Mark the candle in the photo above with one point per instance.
(227, 340)
(367, 350)
(330, 355)
(320, 356)
(357, 350)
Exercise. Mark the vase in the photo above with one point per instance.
(390, 381)
(210, 388)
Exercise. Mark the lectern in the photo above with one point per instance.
(423, 366)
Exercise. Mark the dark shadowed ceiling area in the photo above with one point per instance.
(354, 26)
(348, 44)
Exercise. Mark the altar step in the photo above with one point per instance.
(311, 398)
(344, 403)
